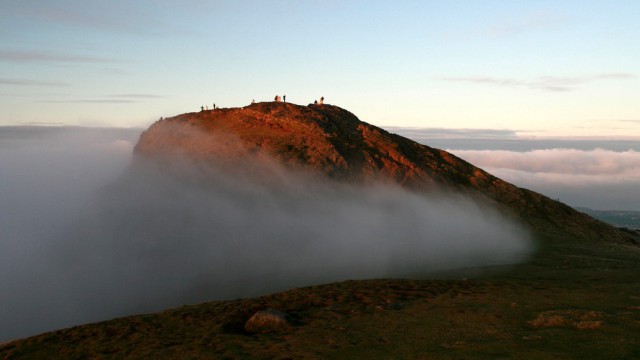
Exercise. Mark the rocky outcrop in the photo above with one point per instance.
(333, 142)
(266, 321)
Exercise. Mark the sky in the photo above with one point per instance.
(536, 68)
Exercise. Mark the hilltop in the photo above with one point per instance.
(331, 141)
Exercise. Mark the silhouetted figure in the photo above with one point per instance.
(253, 101)
(214, 106)
(315, 102)
(284, 98)
(201, 108)
(322, 100)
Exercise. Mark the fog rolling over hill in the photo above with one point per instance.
(90, 237)
(245, 201)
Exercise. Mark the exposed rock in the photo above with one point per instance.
(266, 321)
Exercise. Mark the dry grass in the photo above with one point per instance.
(579, 319)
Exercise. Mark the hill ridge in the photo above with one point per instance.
(333, 141)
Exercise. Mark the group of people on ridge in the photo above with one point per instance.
(205, 107)
(284, 99)
(278, 98)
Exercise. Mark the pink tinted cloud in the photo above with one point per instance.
(606, 165)
(532, 21)
(598, 179)
(41, 56)
(29, 82)
(545, 83)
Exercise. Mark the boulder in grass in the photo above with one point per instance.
(266, 321)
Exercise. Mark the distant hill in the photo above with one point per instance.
(333, 142)
(619, 218)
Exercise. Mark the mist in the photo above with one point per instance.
(89, 235)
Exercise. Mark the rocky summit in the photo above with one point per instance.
(332, 141)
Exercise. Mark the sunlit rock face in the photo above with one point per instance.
(333, 143)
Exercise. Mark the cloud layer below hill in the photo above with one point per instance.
(601, 173)
(596, 178)
(87, 237)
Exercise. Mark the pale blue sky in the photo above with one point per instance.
(551, 68)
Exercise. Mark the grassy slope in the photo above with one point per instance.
(575, 299)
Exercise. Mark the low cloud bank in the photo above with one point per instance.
(90, 239)
(500, 139)
(620, 165)
(599, 179)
